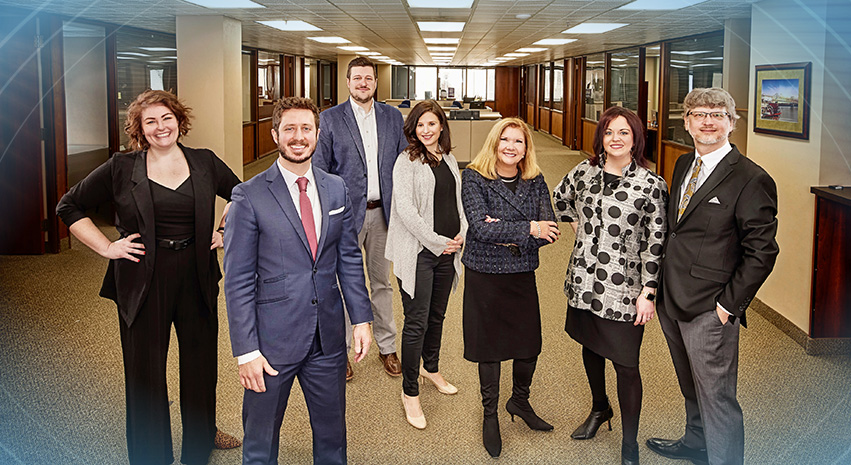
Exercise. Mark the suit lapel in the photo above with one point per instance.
(352, 124)
(281, 192)
(515, 199)
(201, 190)
(324, 204)
(677, 180)
(141, 192)
(720, 172)
(382, 139)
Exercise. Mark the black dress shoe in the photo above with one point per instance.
(675, 449)
(490, 435)
(629, 454)
(525, 411)
(588, 429)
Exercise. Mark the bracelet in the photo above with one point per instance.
(538, 225)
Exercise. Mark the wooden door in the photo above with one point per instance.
(21, 190)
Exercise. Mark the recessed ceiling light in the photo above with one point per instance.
(330, 40)
(125, 58)
(353, 48)
(690, 52)
(441, 40)
(659, 4)
(442, 49)
(441, 26)
(381, 58)
(523, 16)
(516, 55)
(440, 3)
(442, 54)
(530, 50)
(226, 4)
(135, 54)
(593, 28)
(680, 61)
(369, 54)
(619, 59)
(290, 26)
(554, 41)
(158, 49)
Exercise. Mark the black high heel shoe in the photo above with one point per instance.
(629, 454)
(527, 414)
(588, 429)
(490, 435)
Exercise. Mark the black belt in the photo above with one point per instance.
(175, 244)
(370, 204)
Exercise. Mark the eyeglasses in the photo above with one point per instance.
(701, 115)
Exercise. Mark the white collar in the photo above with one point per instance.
(290, 177)
(358, 109)
(711, 159)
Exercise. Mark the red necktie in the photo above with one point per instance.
(306, 214)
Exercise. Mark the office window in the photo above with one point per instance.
(546, 95)
(451, 83)
(425, 82)
(624, 79)
(399, 85)
(268, 82)
(694, 63)
(531, 79)
(477, 84)
(491, 92)
(558, 88)
(145, 60)
(595, 78)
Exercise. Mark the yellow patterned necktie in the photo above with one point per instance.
(692, 186)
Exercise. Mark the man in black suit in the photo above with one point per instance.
(720, 249)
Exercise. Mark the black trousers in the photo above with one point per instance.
(424, 314)
(174, 298)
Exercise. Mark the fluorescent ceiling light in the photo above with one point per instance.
(680, 61)
(593, 28)
(290, 26)
(158, 49)
(441, 40)
(554, 41)
(226, 4)
(690, 52)
(135, 54)
(619, 59)
(369, 54)
(594, 62)
(442, 54)
(516, 55)
(704, 64)
(353, 48)
(330, 40)
(440, 3)
(381, 57)
(659, 4)
(531, 50)
(441, 26)
(125, 58)
(442, 49)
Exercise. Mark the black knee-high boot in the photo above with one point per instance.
(489, 381)
(518, 404)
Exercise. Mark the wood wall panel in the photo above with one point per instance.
(265, 143)
(668, 157)
(507, 94)
(544, 120)
(247, 143)
(530, 112)
(588, 128)
(558, 125)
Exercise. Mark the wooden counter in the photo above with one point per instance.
(831, 286)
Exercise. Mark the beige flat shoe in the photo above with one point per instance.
(447, 389)
(417, 422)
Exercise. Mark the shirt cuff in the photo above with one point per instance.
(361, 324)
(722, 308)
(245, 358)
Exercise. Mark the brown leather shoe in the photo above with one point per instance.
(391, 364)
(350, 373)
(225, 441)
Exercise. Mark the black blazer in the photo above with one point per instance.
(723, 248)
(123, 180)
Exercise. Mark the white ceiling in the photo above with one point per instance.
(390, 26)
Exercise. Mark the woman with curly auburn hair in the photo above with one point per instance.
(162, 272)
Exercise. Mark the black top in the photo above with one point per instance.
(447, 222)
(511, 183)
(174, 210)
(609, 178)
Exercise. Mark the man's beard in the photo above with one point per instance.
(289, 157)
(363, 100)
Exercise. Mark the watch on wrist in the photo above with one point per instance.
(649, 296)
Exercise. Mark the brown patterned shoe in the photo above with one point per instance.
(350, 373)
(392, 365)
(225, 441)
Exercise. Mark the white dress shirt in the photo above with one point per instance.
(313, 195)
(369, 136)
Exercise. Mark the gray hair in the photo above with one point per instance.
(712, 97)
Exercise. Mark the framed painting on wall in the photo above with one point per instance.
(782, 100)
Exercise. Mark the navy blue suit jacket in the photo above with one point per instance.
(340, 151)
(276, 293)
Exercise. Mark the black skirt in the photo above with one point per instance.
(502, 318)
(618, 341)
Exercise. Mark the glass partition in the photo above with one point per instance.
(558, 88)
(546, 95)
(400, 79)
(696, 62)
(451, 83)
(425, 82)
(595, 78)
(477, 84)
(268, 82)
(624, 79)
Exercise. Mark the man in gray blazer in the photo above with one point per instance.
(359, 141)
(720, 249)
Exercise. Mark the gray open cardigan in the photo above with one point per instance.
(411, 226)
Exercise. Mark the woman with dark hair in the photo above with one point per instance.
(424, 239)
(162, 271)
(508, 205)
(616, 206)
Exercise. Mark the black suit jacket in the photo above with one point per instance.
(123, 180)
(723, 248)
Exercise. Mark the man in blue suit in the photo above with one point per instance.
(359, 140)
(290, 239)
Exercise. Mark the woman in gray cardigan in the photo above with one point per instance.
(424, 239)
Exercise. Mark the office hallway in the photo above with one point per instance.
(62, 388)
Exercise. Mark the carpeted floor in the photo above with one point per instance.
(62, 388)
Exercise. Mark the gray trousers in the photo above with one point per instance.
(706, 359)
(372, 238)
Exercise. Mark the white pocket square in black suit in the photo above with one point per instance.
(714, 200)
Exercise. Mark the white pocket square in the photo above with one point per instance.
(715, 201)
(336, 211)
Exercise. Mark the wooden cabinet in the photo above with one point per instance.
(831, 287)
